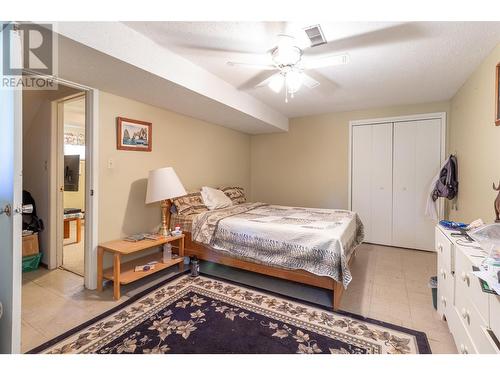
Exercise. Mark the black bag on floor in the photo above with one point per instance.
(31, 221)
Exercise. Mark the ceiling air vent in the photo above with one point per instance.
(315, 35)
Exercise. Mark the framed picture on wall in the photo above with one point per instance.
(497, 96)
(133, 135)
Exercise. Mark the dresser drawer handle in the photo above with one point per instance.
(465, 278)
(463, 349)
(440, 248)
(466, 315)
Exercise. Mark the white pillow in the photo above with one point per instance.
(214, 198)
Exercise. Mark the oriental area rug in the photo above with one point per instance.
(207, 315)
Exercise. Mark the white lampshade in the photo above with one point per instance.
(163, 183)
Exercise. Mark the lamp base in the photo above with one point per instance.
(165, 218)
(164, 231)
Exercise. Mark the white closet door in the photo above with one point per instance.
(417, 149)
(372, 180)
(381, 184)
(361, 176)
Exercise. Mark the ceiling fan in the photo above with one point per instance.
(290, 64)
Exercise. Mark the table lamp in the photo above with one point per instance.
(163, 184)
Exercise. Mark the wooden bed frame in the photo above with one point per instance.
(202, 252)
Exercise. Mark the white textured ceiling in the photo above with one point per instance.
(391, 63)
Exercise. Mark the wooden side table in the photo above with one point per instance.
(122, 274)
(67, 222)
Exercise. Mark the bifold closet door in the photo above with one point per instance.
(372, 180)
(417, 156)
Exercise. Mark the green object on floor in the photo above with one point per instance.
(31, 263)
(433, 284)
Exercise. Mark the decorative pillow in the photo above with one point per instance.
(236, 194)
(191, 203)
(214, 198)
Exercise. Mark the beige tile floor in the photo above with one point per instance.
(73, 252)
(54, 302)
(389, 284)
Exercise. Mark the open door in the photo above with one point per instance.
(10, 206)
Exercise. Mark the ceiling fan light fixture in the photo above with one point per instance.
(293, 81)
(286, 56)
(276, 83)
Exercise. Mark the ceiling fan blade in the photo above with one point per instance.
(252, 66)
(308, 81)
(275, 82)
(322, 62)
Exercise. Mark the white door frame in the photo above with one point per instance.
(425, 116)
(58, 144)
(91, 184)
(11, 151)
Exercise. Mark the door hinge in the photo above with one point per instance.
(91, 192)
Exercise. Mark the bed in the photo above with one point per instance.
(306, 245)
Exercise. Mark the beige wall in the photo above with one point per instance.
(308, 166)
(201, 154)
(476, 140)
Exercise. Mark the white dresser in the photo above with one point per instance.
(473, 316)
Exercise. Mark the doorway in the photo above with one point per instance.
(58, 123)
(72, 256)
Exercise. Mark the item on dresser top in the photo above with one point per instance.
(488, 237)
(452, 224)
(135, 237)
(462, 232)
(484, 285)
(488, 277)
(475, 224)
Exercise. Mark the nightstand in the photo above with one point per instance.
(124, 273)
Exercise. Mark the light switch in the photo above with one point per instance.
(111, 163)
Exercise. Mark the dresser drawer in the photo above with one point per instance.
(476, 328)
(444, 249)
(495, 315)
(468, 288)
(446, 289)
(462, 339)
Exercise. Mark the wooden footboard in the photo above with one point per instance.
(202, 252)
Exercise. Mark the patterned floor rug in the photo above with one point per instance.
(208, 315)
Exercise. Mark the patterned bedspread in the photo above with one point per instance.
(319, 241)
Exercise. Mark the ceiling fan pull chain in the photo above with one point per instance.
(286, 90)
